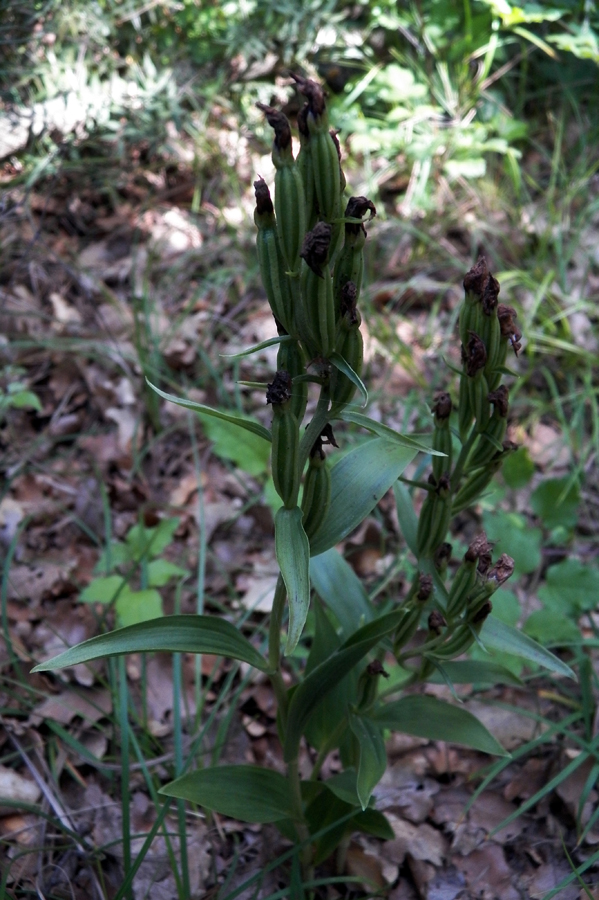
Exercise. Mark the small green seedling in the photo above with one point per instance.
(133, 570)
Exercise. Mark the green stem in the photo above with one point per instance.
(274, 647)
(297, 806)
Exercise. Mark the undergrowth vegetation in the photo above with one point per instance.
(131, 137)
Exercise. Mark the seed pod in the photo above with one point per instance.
(441, 515)
(476, 559)
(325, 159)
(350, 262)
(285, 440)
(474, 486)
(457, 643)
(442, 435)
(306, 167)
(494, 433)
(317, 320)
(270, 258)
(292, 359)
(350, 345)
(420, 591)
(316, 497)
(290, 206)
(474, 358)
(425, 523)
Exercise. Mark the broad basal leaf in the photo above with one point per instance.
(292, 550)
(247, 793)
(175, 634)
(358, 481)
(430, 718)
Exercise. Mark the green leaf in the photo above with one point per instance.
(256, 348)
(517, 469)
(373, 756)
(430, 718)
(372, 821)
(496, 635)
(151, 541)
(292, 550)
(513, 535)
(555, 501)
(102, 590)
(552, 628)
(314, 688)
(245, 423)
(160, 571)
(344, 786)
(247, 793)
(133, 607)
(25, 400)
(340, 363)
(114, 555)
(408, 520)
(358, 481)
(340, 588)
(247, 450)
(571, 587)
(473, 671)
(174, 634)
(383, 431)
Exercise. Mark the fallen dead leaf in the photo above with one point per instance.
(419, 841)
(487, 873)
(16, 788)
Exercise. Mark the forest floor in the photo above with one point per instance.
(105, 282)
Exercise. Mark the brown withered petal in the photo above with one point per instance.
(313, 93)
(442, 405)
(315, 248)
(443, 485)
(507, 315)
(481, 614)
(479, 281)
(499, 399)
(376, 668)
(302, 121)
(347, 303)
(356, 208)
(279, 391)
(425, 587)
(279, 121)
(502, 570)
(263, 201)
(436, 621)
(479, 546)
(280, 328)
(442, 555)
(509, 446)
(327, 436)
(474, 355)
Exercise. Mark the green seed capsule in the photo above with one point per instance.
(350, 345)
(270, 259)
(285, 440)
(316, 497)
(442, 441)
(456, 644)
(292, 358)
(289, 190)
(474, 486)
(306, 168)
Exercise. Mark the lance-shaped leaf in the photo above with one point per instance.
(337, 584)
(341, 363)
(496, 635)
(292, 550)
(315, 687)
(248, 424)
(247, 793)
(373, 756)
(256, 348)
(430, 718)
(176, 634)
(358, 481)
(408, 520)
(389, 434)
